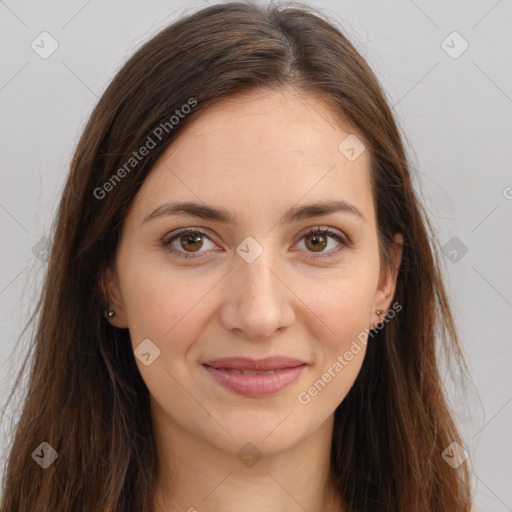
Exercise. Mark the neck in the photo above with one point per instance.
(195, 476)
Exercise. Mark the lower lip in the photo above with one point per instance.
(258, 384)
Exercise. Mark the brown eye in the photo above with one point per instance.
(323, 241)
(316, 243)
(188, 243)
(191, 242)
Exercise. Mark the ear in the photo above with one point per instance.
(113, 299)
(388, 278)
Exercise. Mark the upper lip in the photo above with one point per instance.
(246, 363)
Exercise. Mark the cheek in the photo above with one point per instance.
(342, 302)
(344, 307)
(167, 307)
(170, 309)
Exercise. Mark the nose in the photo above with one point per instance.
(257, 299)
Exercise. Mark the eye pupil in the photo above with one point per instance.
(317, 246)
(191, 239)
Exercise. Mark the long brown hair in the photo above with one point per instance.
(85, 396)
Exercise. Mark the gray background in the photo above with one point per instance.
(455, 112)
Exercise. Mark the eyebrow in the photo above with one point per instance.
(295, 214)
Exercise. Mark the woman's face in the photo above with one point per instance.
(195, 289)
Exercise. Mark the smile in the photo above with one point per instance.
(256, 383)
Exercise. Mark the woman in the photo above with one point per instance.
(243, 296)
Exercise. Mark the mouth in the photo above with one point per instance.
(255, 378)
(248, 372)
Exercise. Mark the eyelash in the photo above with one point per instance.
(166, 241)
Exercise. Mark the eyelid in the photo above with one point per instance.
(342, 239)
(177, 232)
(327, 229)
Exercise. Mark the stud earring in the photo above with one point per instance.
(111, 314)
(379, 312)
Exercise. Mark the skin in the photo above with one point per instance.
(256, 154)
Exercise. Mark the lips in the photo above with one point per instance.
(249, 372)
(247, 365)
(255, 378)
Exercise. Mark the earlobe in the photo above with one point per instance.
(114, 312)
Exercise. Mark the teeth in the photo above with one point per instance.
(248, 372)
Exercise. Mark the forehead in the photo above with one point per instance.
(265, 125)
(261, 150)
